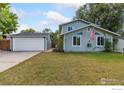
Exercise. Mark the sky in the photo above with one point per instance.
(43, 15)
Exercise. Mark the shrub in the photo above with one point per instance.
(58, 50)
(108, 46)
(115, 40)
(57, 41)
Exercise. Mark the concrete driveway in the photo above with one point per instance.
(9, 59)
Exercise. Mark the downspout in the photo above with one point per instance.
(44, 44)
(11, 44)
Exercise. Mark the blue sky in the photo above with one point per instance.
(40, 15)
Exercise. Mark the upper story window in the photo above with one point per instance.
(69, 28)
(100, 41)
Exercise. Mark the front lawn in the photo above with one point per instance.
(67, 69)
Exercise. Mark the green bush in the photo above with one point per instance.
(59, 44)
(108, 46)
(115, 40)
(57, 41)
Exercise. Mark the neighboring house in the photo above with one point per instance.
(120, 45)
(83, 36)
(30, 41)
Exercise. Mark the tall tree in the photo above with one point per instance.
(3, 5)
(109, 16)
(28, 30)
(57, 41)
(8, 20)
(46, 30)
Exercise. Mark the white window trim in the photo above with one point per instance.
(80, 41)
(96, 41)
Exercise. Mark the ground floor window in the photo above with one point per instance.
(76, 40)
(100, 40)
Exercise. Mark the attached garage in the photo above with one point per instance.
(30, 42)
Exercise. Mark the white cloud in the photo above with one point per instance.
(73, 6)
(51, 20)
(23, 14)
(35, 13)
(56, 17)
(39, 26)
(20, 13)
(22, 27)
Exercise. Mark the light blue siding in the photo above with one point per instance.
(75, 25)
(85, 37)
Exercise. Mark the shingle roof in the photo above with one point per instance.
(30, 35)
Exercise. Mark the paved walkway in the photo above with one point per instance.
(9, 59)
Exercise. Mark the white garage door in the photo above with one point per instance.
(28, 44)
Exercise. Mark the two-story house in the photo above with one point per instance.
(83, 36)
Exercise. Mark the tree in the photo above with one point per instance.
(8, 20)
(3, 5)
(28, 30)
(46, 30)
(108, 46)
(108, 16)
(57, 40)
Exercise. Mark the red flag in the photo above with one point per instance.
(92, 35)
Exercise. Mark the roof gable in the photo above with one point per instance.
(89, 24)
(107, 31)
(75, 21)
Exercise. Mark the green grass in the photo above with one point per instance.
(0, 37)
(67, 69)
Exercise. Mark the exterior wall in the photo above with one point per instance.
(119, 46)
(48, 42)
(106, 36)
(85, 37)
(45, 44)
(75, 25)
(11, 44)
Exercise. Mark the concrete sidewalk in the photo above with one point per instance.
(9, 59)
